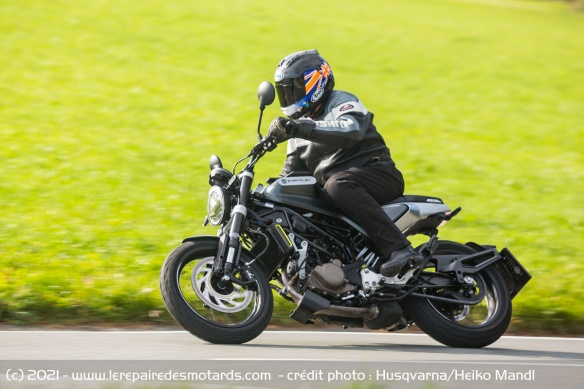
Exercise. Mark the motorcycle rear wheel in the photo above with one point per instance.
(228, 314)
(464, 326)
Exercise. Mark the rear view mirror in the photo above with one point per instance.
(266, 94)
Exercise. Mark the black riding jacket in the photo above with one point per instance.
(342, 136)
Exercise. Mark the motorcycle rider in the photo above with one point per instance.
(331, 134)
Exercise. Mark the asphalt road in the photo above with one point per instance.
(282, 359)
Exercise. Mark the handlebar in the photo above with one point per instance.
(266, 144)
(262, 147)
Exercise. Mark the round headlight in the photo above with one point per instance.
(218, 206)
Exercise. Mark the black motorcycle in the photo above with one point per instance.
(285, 237)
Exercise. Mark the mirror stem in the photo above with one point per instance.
(262, 107)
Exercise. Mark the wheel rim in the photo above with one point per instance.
(231, 306)
(472, 316)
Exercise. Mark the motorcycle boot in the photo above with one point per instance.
(400, 259)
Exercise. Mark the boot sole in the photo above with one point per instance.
(395, 269)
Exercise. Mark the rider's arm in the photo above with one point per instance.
(343, 126)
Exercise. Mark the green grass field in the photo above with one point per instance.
(110, 109)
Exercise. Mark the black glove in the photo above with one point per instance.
(282, 129)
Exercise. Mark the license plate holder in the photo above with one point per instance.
(519, 275)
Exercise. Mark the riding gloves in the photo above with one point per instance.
(279, 131)
(282, 129)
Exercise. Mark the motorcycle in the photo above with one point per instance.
(285, 237)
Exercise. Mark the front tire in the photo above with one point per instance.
(465, 326)
(228, 314)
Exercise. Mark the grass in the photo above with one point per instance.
(109, 111)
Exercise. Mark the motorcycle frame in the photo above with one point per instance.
(230, 245)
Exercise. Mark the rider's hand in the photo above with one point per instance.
(282, 129)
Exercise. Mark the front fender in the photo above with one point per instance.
(222, 248)
(201, 239)
(220, 254)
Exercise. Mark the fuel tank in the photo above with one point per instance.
(304, 192)
(298, 192)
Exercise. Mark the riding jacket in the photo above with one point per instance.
(341, 137)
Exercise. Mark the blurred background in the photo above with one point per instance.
(109, 111)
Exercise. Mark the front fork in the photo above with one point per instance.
(230, 243)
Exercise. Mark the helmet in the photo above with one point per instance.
(303, 81)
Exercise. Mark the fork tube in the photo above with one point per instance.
(239, 214)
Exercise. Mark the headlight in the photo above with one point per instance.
(218, 206)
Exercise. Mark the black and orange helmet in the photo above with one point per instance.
(303, 81)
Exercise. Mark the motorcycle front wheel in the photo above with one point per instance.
(459, 325)
(208, 309)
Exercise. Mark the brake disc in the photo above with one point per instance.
(231, 298)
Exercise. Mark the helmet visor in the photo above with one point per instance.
(290, 91)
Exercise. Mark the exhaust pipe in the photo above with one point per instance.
(311, 304)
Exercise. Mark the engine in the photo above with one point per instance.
(328, 254)
(338, 275)
(330, 278)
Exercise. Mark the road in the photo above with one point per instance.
(282, 359)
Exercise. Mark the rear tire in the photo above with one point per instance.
(228, 315)
(465, 326)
